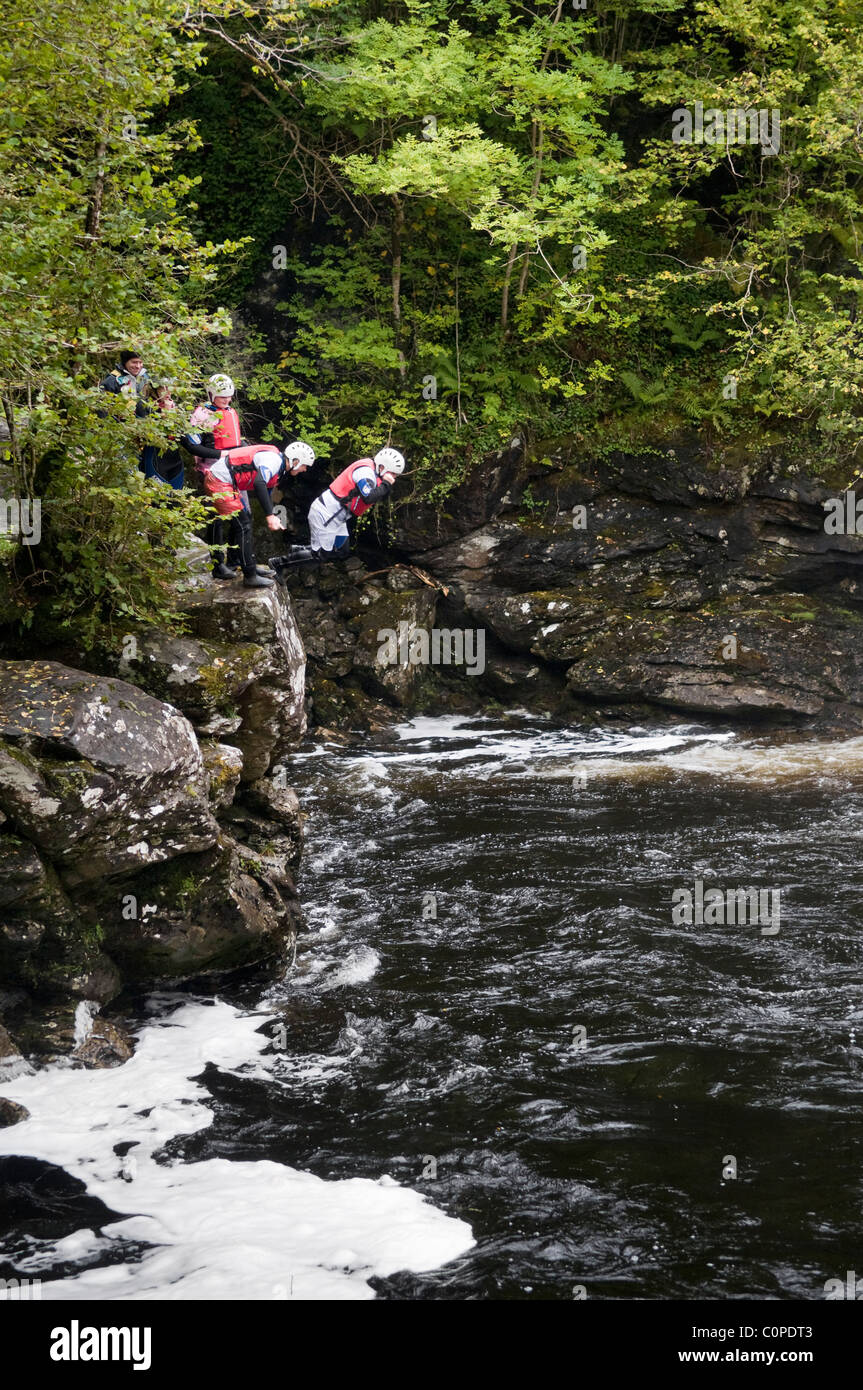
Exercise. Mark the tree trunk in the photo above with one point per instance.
(14, 447)
(398, 225)
(537, 138)
(536, 143)
(504, 302)
(94, 209)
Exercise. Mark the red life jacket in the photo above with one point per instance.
(226, 431)
(241, 466)
(345, 489)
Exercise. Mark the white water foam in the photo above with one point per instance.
(219, 1229)
(743, 761)
(358, 967)
(601, 753)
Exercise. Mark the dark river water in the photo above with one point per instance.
(494, 1007)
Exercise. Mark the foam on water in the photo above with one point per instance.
(223, 1229)
(218, 1229)
(531, 750)
(799, 761)
(359, 966)
(528, 748)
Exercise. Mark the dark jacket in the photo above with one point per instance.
(117, 379)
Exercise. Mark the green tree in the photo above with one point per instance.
(96, 255)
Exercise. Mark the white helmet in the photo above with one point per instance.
(303, 453)
(220, 385)
(389, 461)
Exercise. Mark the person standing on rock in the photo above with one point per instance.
(129, 378)
(259, 469)
(356, 488)
(218, 428)
(217, 417)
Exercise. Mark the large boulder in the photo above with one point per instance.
(270, 698)
(113, 868)
(44, 943)
(744, 657)
(201, 914)
(96, 774)
(203, 680)
(385, 656)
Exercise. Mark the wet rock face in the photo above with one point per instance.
(270, 701)
(200, 915)
(382, 659)
(357, 625)
(114, 869)
(656, 582)
(238, 675)
(649, 584)
(266, 823)
(203, 680)
(99, 776)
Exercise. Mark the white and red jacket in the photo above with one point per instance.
(355, 489)
(251, 468)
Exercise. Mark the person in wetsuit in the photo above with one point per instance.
(258, 469)
(356, 488)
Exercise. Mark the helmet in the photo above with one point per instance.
(220, 385)
(298, 450)
(389, 461)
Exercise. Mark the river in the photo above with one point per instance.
(499, 1068)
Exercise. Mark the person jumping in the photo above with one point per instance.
(352, 493)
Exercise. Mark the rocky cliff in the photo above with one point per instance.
(147, 832)
(624, 587)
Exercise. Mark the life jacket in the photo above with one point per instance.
(226, 431)
(241, 466)
(345, 490)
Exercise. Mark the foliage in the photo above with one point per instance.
(96, 256)
(450, 222)
(492, 197)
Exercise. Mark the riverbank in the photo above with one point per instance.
(630, 587)
(150, 832)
